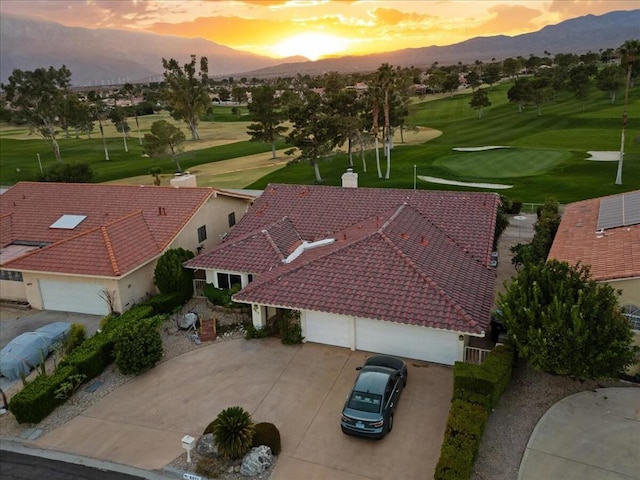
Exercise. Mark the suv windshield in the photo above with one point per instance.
(365, 402)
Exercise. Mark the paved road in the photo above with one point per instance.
(16, 466)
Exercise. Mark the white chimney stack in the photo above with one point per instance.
(350, 179)
(183, 180)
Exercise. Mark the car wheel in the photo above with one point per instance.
(390, 423)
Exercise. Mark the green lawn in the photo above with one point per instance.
(548, 158)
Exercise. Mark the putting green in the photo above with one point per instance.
(502, 163)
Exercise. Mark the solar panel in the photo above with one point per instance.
(619, 211)
(68, 222)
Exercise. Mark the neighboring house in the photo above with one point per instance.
(401, 272)
(604, 233)
(69, 246)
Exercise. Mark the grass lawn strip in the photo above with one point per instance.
(442, 181)
(478, 149)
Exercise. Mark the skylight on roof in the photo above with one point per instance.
(68, 222)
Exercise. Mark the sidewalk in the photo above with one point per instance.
(587, 436)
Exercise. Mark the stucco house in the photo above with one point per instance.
(65, 246)
(403, 272)
(604, 233)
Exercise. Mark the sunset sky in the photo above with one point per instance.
(279, 28)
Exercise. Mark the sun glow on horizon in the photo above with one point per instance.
(311, 45)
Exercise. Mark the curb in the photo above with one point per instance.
(17, 445)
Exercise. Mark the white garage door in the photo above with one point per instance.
(407, 341)
(326, 328)
(72, 297)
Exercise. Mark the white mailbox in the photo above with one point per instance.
(188, 442)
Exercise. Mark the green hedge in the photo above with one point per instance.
(38, 398)
(476, 390)
(165, 303)
(222, 296)
(93, 356)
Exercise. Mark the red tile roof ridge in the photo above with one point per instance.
(110, 252)
(429, 281)
(273, 244)
(75, 237)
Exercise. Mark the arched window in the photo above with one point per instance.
(632, 312)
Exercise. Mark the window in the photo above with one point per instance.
(632, 312)
(10, 275)
(202, 233)
(232, 219)
(228, 280)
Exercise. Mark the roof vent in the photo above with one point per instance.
(350, 179)
(68, 222)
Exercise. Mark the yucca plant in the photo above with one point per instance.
(233, 431)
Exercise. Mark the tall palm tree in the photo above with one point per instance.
(629, 56)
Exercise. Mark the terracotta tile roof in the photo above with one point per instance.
(125, 226)
(613, 255)
(416, 257)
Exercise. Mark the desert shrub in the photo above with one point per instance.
(170, 276)
(138, 346)
(38, 398)
(269, 435)
(210, 467)
(233, 431)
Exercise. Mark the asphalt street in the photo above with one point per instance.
(16, 466)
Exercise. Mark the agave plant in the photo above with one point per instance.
(233, 431)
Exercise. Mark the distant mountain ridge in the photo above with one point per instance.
(105, 56)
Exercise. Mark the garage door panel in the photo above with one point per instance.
(73, 297)
(327, 328)
(407, 341)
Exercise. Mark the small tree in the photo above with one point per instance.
(170, 276)
(479, 100)
(164, 139)
(565, 323)
(67, 173)
(233, 431)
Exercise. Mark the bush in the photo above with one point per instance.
(138, 346)
(67, 173)
(112, 322)
(92, 357)
(166, 303)
(233, 432)
(38, 398)
(170, 276)
(516, 206)
(77, 335)
(290, 328)
(222, 296)
(269, 435)
(252, 332)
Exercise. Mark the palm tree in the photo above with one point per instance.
(629, 55)
(99, 111)
(233, 431)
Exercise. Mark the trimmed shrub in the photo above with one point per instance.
(166, 303)
(77, 335)
(38, 398)
(269, 435)
(92, 357)
(138, 346)
(252, 332)
(222, 296)
(113, 322)
(290, 328)
(233, 432)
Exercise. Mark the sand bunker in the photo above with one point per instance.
(603, 156)
(492, 186)
(479, 149)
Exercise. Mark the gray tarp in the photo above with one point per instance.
(27, 350)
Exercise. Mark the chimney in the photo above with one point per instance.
(350, 179)
(183, 180)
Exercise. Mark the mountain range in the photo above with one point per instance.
(106, 56)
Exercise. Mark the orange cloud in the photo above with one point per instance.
(391, 16)
(506, 19)
(576, 8)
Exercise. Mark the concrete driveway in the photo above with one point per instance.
(300, 389)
